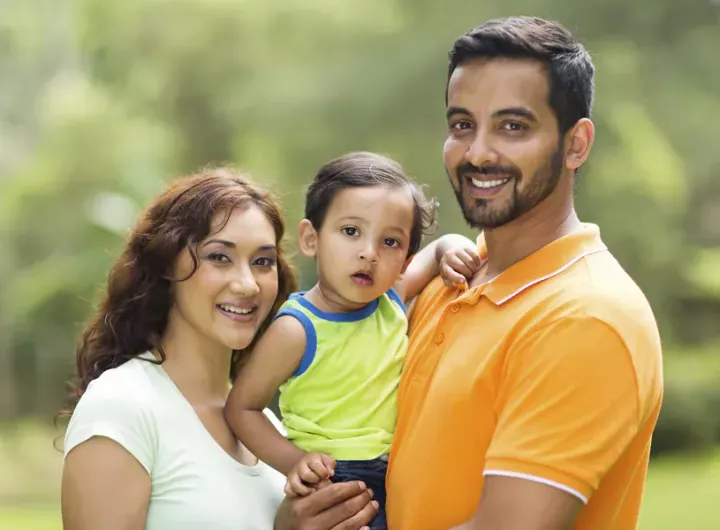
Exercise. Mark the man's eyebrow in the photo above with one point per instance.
(520, 112)
(452, 111)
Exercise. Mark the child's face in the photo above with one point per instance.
(363, 244)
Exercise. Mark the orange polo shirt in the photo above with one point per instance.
(552, 372)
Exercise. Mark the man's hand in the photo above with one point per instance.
(342, 506)
(312, 468)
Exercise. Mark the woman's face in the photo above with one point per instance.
(236, 282)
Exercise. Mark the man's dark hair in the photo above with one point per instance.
(363, 169)
(569, 67)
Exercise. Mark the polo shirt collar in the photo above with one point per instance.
(544, 263)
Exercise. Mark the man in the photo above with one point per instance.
(528, 400)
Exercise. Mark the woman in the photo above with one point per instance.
(147, 447)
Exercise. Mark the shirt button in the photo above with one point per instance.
(439, 338)
(455, 308)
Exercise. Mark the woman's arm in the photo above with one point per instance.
(461, 261)
(274, 359)
(104, 486)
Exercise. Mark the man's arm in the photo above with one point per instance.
(511, 503)
(568, 408)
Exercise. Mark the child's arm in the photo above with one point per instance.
(454, 256)
(273, 360)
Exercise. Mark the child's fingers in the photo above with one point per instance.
(318, 469)
(471, 259)
(309, 475)
(329, 463)
(289, 492)
(472, 255)
(296, 484)
(450, 277)
(456, 264)
(322, 484)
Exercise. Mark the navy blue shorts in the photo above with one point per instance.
(372, 473)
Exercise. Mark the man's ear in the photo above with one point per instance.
(579, 142)
(307, 239)
(407, 262)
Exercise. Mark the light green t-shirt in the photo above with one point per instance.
(195, 484)
(342, 399)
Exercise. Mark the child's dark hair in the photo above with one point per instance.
(364, 169)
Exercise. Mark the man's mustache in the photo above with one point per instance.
(469, 169)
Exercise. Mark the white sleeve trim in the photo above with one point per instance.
(540, 480)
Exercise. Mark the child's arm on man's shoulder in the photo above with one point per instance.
(453, 256)
(273, 360)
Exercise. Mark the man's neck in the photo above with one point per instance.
(510, 243)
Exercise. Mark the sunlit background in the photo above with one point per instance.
(101, 102)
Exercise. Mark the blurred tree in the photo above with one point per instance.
(101, 102)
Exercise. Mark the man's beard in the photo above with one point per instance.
(482, 214)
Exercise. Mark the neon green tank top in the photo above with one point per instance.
(342, 399)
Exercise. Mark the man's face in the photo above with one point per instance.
(503, 153)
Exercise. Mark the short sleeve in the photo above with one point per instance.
(123, 419)
(275, 421)
(567, 407)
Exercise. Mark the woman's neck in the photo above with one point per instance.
(198, 366)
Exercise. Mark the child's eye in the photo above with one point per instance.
(391, 242)
(350, 231)
(265, 262)
(219, 256)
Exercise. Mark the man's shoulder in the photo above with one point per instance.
(600, 287)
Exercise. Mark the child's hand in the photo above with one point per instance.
(458, 265)
(313, 468)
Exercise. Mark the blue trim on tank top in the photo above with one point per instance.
(310, 338)
(350, 316)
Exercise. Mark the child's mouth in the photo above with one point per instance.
(362, 278)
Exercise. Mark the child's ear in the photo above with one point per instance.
(307, 239)
(407, 262)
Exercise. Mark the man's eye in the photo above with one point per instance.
(350, 231)
(461, 125)
(514, 126)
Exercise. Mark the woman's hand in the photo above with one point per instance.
(341, 506)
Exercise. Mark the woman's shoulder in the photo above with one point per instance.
(120, 405)
(132, 381)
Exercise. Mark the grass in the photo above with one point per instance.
(681, 493)
(30, 518)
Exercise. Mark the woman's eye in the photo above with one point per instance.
(265, 262)
(218, 256)
(350, 231)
